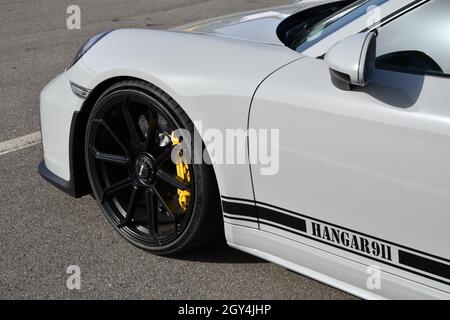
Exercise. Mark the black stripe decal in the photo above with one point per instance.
(362, 255)
(283, 219)
(299, 223)
(240, 209)
(239, 218)
(424, 264)
(347, 229)
(238, 199)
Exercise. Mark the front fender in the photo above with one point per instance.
(213, 79)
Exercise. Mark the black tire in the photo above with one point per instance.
(199, 222)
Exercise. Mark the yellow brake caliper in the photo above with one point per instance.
(182, 173)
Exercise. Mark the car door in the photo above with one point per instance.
(365, 174)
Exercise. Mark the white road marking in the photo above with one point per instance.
(20, 143)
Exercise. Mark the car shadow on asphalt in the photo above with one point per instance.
(219, 252)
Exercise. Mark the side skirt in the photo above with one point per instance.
(324, 266)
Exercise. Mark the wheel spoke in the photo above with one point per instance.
(131, 125)
(160, 198)
(130, 209)
(112, 134)
(173, 181)
(116, 159)
(152, 212)
(150, 144)
(116, 187)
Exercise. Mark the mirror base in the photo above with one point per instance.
(340, 81)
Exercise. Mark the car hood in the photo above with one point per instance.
(258, 25)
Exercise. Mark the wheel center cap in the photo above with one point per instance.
(145, 169)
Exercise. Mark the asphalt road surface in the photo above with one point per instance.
(43, 231)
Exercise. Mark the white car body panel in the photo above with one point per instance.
(253, 25)
(370, 161)
(185, 74)
(58, 103)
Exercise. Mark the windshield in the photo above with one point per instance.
(331, 24)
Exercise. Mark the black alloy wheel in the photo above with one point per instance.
(129, 145)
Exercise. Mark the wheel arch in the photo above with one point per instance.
(81, 185)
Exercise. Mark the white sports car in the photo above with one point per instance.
(358, 94)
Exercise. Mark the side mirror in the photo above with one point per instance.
(352, 60)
